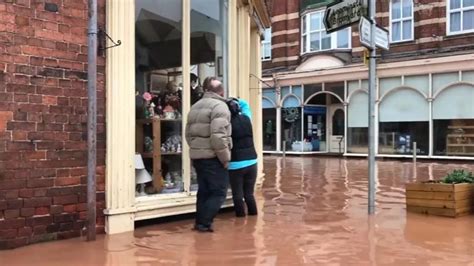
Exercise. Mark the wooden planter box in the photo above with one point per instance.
(451, 200)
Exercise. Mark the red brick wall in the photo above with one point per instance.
(43, 115)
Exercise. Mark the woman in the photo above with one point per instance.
(243, 165)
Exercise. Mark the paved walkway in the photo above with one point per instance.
(312, 211)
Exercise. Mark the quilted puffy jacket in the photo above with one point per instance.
(208, 129)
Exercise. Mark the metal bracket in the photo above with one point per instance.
(103, 35)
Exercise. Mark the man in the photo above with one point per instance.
(208, 133)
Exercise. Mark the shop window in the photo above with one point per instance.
(357, 124)
(460, 16)
(208, 44)
(401, 20)
(291, 128)
(453, 133)
(404, 116)
(315, 128)
(269, 115)
(159, 103)
(291, 123)
(314, 37)
(266, 49)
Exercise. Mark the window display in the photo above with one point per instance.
(208, 49)
(159, 99)
(269, 129)
(315, 127)
(454, 137)
(398, 137)
(291, 128)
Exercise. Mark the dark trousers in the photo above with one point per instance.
(213, 181)
(242, 182)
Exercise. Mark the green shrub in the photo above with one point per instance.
(458, 177)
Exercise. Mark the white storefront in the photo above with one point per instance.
(428, 101)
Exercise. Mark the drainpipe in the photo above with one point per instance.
(91, 119)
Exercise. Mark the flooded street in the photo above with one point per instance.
(312, 211)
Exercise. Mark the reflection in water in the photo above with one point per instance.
(312, 211)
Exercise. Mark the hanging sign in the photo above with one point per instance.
(342, 14)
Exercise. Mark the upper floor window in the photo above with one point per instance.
(314, 37)
(460, 16)
(401, 20)
(267, 45)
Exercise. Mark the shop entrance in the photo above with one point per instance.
(336, 128)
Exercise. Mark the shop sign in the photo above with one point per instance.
(343, 14)
(381, 35)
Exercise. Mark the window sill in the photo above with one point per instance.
(331, 51)
(404, 42)
(458, 34)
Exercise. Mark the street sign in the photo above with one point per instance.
(343, 14)
(381, 35)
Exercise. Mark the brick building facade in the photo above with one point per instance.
(430, 34)
(322, 79)
(43, 107)
(43, 104)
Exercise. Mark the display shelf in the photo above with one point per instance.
(460, 139)
(170, 153)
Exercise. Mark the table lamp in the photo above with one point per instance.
(141, 175)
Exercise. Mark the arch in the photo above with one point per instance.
(402, 88)
(323, 92)
(360, 90)
(454, 102)
(451, 86)
(320, 62)
(288, 96)
(403, 104)
(270, 103)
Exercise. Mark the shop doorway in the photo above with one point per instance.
(336, 123)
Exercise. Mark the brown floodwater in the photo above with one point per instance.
(312, 211)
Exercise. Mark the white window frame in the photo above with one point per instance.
(308, 33)
(401, 20)
(264, 43)
(460, 10)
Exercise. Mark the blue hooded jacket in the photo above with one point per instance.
(236, 165)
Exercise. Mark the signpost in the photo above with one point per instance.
(381, 35)
(340, 15)
(343, 14)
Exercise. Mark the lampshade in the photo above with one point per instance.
(139, 162)
(142, 176)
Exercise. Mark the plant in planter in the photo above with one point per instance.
(452, 196)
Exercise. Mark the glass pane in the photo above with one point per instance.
(398, 137)
(396, 31)
(407, 28)
(291, 128)
(358, 140)
(468, 20)
(304, 45)
(315, 22)
(208, 43)
(343, 38)
(326, 41)
(338, 121)
(455, 21)
(159, 97)
(453, 137)
(311, 89)
(269, 129)
(315, 41)
(268, 35)
(407, 8)
(304, 24)
(404, 105)
(468, 3)
(396, 9)
(315, 128)
(455, 4)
